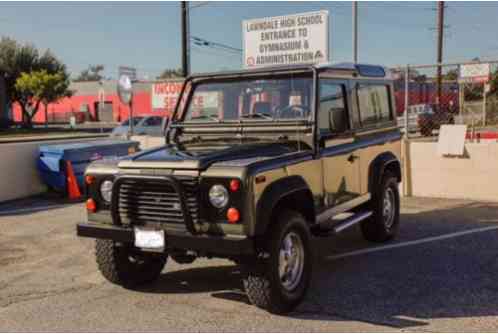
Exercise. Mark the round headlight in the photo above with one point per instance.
(218, 196)
(106, 190)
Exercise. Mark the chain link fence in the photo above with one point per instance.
(428, 96)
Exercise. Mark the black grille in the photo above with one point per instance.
(143, 201)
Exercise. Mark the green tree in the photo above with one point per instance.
(451, 75)
(16, 59)
(413, 75)
(40, 87)
(170, 74)
(92, 73)
(494, 83)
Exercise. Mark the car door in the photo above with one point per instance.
(378, 132)
(340, 161)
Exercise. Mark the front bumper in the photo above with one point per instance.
(216, 245)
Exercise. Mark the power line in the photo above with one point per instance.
(213, 52)
(200, 4)
(206, 43)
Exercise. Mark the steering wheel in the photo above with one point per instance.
(292, 111)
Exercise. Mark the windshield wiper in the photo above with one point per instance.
(257, 115)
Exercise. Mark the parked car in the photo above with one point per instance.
(433, 119)
(425, 118)
(142, 125)
(253, 174)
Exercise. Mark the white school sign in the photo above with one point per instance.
(286, 40)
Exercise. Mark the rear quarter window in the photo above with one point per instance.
(374, 104)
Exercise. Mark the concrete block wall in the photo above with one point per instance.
(18, 173)
(426, 174)
(473, 176)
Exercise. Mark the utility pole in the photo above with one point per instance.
(355, 32)
(185, 38)
(440, 36)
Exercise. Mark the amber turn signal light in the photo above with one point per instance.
(233, 215)
(234, 185)
(91, 206)
(89, 179)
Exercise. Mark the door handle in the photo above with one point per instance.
(352, 158)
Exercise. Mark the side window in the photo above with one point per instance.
(373, 102)
(332, 113)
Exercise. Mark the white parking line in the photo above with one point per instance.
(412, 243)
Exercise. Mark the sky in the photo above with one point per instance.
(146, 35)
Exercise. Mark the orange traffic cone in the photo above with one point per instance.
(73, 190)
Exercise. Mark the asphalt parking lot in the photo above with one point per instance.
(441, 274)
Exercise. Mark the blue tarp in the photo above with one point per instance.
(52, 158)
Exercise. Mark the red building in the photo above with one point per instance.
(84, 104)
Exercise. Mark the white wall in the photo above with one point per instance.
(18, 172)
(426, 174)
(472, 176)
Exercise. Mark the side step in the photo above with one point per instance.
(331, 228)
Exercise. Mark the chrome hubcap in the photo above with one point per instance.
(388, 210)
(291, 261)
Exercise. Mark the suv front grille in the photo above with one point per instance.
(143, 201)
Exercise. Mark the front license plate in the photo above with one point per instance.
(149, 238)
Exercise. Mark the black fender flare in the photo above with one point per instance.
(273, 194)
(378, 167)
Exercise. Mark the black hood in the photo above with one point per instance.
(201, 156)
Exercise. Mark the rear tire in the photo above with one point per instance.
(279, 282)
(123, 265)
(383, 225)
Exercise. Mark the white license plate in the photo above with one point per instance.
(149, 238)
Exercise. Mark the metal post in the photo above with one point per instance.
(355, 31)
(101, 104)
(407, 84)
(130, 120)
(440, 36)
(185, 38)
(473, 124)
(46, 115)
(484, 105)
(461, 96)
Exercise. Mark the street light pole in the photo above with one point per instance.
(185, 38)
(355, 32)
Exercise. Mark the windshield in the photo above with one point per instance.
(135, 121)
(283, 97)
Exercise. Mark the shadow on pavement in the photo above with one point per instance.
(30, 205)
(401, 288)
(410, 286)
(200, 279)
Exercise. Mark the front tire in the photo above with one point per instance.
(279, 282)
(383, 225)
(123, 265)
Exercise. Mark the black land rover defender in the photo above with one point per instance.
(257, 164)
